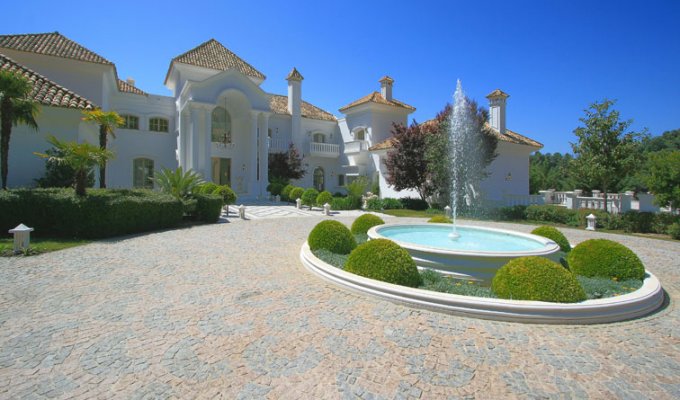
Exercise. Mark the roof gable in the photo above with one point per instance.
(51, 44)
(279, 105)
(378, 98)
(125, 87)
(213, 55)
(45, 91)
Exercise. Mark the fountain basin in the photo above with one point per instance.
(476, 255)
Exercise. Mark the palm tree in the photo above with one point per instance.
(178, 183)
(82, 157)
(15, 108)
(108, 121)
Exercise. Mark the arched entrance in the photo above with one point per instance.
(319, 179)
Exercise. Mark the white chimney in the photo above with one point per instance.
(294, 79)
(130, 81)
(386, 87)
(497, 100)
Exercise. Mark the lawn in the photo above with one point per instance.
(40, 245)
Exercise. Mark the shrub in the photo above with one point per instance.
(389, 203)
(275, 188)
(224, 191)
(663, 222)
(309, 197)
(674, 231)
(206, 188)
(385, 261)
(641, 222)
(440, 219)
(101, 213)
(208, 207)
(295, 193)
(374, 204)
(332, 236)
(323, 198)
(178, 183)
(578, 218)
(549, 213)
(512, 213)
(285, 192)
(554, 235)
(346, 203)
(605, 258)
(536, 278)
(366, 222)
(414, 204)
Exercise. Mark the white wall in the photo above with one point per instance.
(513, 159)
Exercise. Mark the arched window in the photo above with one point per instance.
(319, 138)
(221, 126)
(142, 172)
(360, 134)
(318, 179)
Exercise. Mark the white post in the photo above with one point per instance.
(591, 219)
(327, 209)
(242, 211)
(571, 200)
(298, 203)
(448, 212)
(22, 237)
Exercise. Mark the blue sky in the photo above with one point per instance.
(554, 58)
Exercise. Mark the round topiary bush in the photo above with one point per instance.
(440, 219)
(605, 258)
(366, 222)
(385, 261)
(228, 195)
(332, 236)
(323, 198)
(206, 188)
(554, 235)
(309, 197)
(295, 193)
(275, 188)
(537, 278)
(285, 192)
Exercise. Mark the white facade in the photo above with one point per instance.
(220, 123)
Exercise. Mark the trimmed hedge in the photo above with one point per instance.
(295, 193)
(554, 235)
(605, 258)
(226, 194)
(674, 231)
(537, 278)
(556, 214)
(208, 207)
(309, 197)
(440, 219)
(365, 222)
(101, 213)
(285, 192)
(332, 236)
(414, 204)
(323, 198)
(385, 261)
(389, 203)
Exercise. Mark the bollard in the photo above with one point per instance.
(277, 198)
(591, 222)
(448, 212)
(298, 204)
(327, 209)
(22, 237)
(242, 211)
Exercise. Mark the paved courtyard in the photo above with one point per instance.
(228, 311)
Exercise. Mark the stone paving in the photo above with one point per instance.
(228, 311)
(268, 209)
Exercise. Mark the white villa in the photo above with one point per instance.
(219, 122)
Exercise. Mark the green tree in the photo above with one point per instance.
(82, 157)
(406, 164)
(550, 171)
(16, 107)
(605, 151)
(664, 178)
(108, 121)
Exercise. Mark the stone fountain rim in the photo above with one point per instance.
(641, 302)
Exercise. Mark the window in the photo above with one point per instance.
(360, 134)
(142, 171)
(221, 126)
(130, 122)
(158, 124)
(318, 179)
(319, 138)
(341, 180)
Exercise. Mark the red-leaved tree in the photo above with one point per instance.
(406, 163)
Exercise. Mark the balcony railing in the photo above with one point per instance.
(356, 146)
(324, 149)
(278, 145)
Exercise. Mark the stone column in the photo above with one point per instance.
(193, 139)
(264, 154)
(182, 141)
(572, 202)
(252, 161)
(207, 149)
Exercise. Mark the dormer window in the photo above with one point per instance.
(130, 122)
(158, 125)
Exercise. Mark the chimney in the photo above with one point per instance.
(130, 81)
(386, 87)
(294, 79)
(497, 100)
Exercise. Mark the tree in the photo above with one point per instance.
(406, 164)
(16, 107)
(284, 167)
(605, 152)
(664, 178)
(550, 171)
(82, 157)
(108, 121)
(59, 175)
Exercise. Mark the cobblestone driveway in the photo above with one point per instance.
(228, 311)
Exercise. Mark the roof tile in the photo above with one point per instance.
(279, 105)
(51, 44)
(125, 87)
(212, 54)
(378, 98)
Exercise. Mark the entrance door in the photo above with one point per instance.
(221, 171)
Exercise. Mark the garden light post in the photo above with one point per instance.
(242, 211)
(448, 212)
(592, 219)
(298, 203)
(327, 209)
(22, 237)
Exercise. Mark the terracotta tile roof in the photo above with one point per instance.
(212, 54)
(279, 105)
(376, 97)
(125, 87)
(294, 75)
(51, 44)
(497, 93)
(45, 91)
(386, 79)
(509, 136)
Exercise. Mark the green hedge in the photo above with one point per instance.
(414, 204)
(365, 222)
(440, 219)
(208, 207)
(385, 261)
(605, 258)
(102, 213)
(332, 236)
(323, 198)
(555, 214)
(346, 203)
(554, 235)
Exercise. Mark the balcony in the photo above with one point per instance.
(278, 145)
(324, 150)
(356, 146)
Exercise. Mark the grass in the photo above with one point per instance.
(413, 213)
(39, 245)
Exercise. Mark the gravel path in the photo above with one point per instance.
(228, 311)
